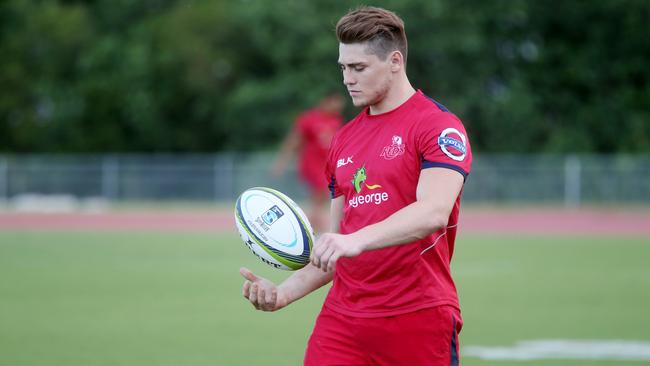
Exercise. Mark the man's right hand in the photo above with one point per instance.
(263, 294)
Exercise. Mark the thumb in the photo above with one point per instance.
(247, 274)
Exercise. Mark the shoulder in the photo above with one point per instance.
(434, 115)
(439, 129)
(433, 109)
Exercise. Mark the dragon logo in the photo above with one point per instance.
(358, 182)
(359, 179)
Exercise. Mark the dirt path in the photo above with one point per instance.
(473, 220)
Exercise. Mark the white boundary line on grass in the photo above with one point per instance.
(564, 349)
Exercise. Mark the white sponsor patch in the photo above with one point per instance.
(564, 349)
(453, 144)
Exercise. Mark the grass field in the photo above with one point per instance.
(174, 298)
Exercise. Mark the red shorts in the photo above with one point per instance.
(427, 337)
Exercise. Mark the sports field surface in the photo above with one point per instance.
(161, 293)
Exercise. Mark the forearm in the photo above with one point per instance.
(304, 282)
(413, 222)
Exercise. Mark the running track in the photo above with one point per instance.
(473, 221)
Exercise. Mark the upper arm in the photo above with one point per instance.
(446, 161)
(439, 188)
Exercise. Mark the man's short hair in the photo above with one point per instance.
(382, 29)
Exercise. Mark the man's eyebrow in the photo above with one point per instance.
(351, 64)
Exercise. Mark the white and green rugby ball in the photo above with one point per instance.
(274, 228)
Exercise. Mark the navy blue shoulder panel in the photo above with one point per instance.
(440, 106)
(431, 164)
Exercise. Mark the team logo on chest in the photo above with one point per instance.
(359, 178)
(361, 198)
(395, 149)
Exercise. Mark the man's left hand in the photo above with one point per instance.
(329, 247)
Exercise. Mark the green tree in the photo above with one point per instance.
(210, 75)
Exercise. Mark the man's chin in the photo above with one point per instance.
(359, 103)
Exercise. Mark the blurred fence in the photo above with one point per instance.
(569, 180)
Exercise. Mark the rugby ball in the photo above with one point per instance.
(274, 228)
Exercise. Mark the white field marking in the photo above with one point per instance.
(564, 349)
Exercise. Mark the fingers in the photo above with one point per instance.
(260, 293)
(331, 263)
(250, 288)
(247, 274)
(325, 259)
(261, 299)
(252, 297)
(324, 248)
(268, 300)
(315, 260)
(246, 289)
(273, 297)
(319, 248)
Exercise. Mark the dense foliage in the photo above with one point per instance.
(198, 76)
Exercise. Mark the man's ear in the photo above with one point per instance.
(396, 61)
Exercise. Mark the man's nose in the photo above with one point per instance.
(348, 79)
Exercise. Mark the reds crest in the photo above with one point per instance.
(394, 150)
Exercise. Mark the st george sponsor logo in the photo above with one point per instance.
(358, 182)
(362, 199)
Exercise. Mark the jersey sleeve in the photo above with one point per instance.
(330, 170)
(443, 143)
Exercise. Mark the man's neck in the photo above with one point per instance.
(399, 93)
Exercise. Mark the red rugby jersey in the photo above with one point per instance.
(375, 163)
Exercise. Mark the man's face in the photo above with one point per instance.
(366, 77)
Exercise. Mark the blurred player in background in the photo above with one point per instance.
(396, 174)
(310, 138)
